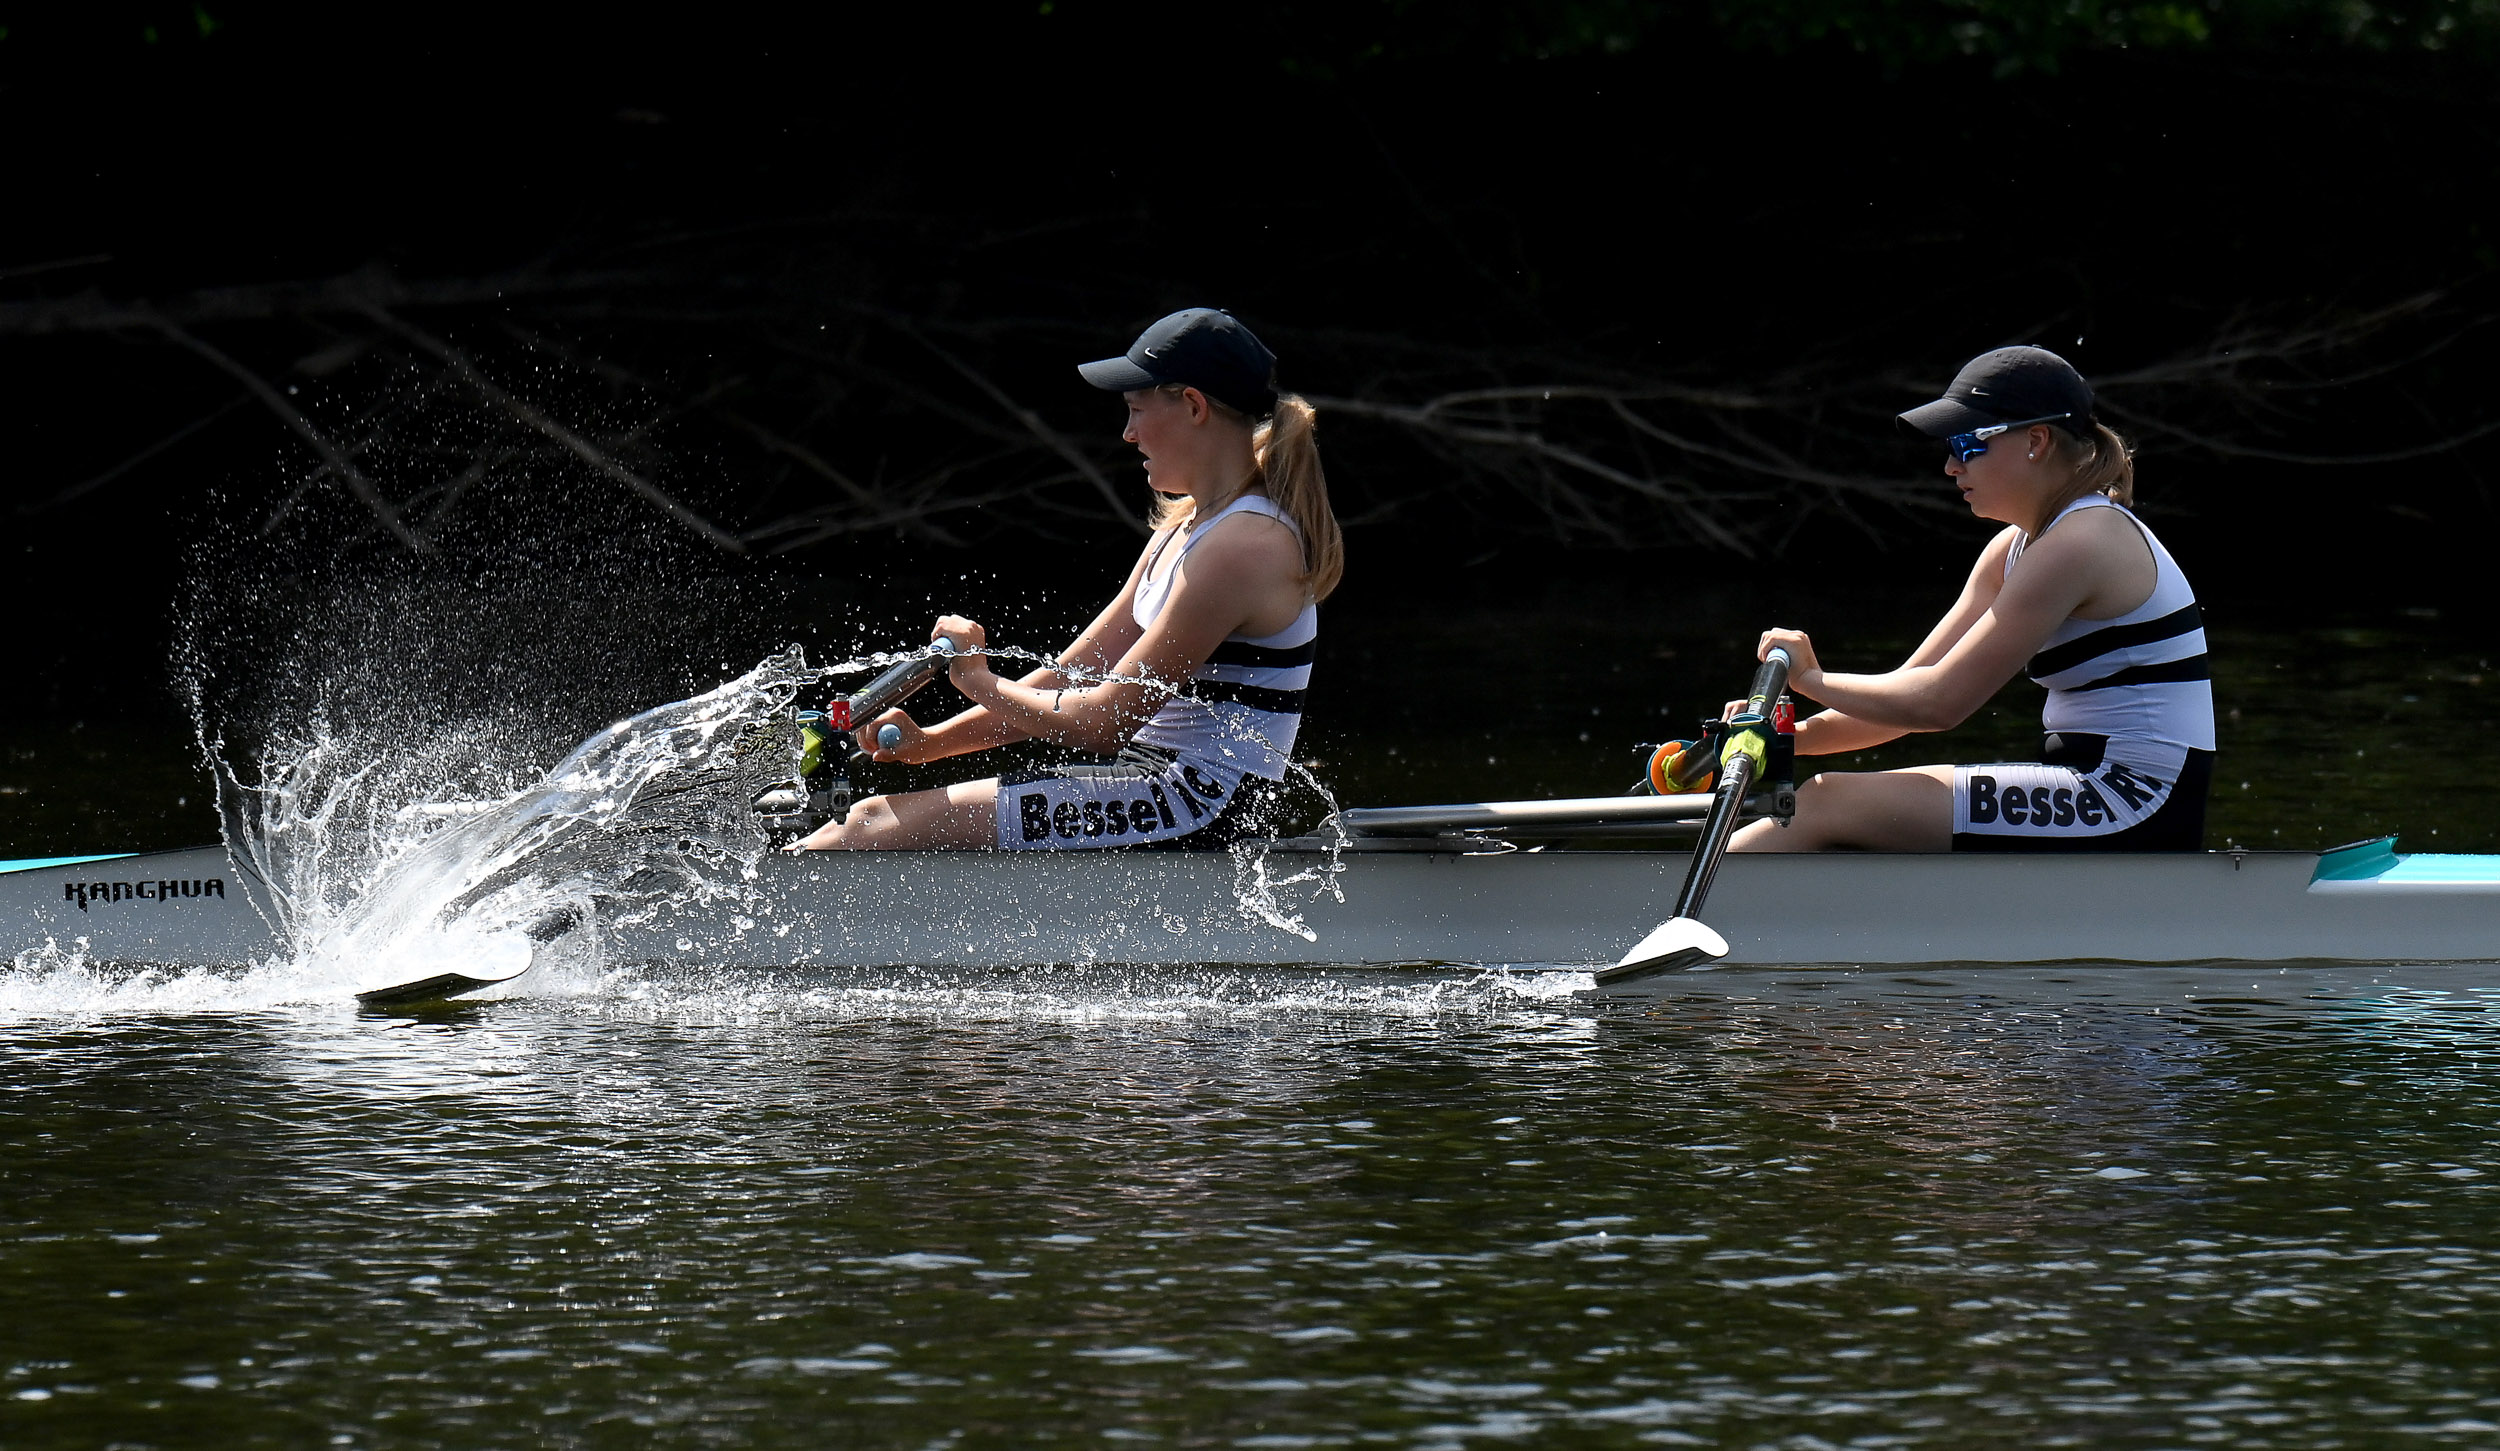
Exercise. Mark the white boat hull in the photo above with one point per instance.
(981, 909)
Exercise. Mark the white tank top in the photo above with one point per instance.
(1244, 706)
(2140, 679)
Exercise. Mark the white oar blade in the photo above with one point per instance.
(430, 989)
(1677, 943)
(498, 959)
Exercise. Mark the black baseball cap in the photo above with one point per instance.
(2005, 386)
(1198, 347)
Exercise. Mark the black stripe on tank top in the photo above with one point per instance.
(1257, 697)
(2060, 658)
(2166, 672)
(1265, 657)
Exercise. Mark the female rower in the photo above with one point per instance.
(1193, 678)
(2075, 591)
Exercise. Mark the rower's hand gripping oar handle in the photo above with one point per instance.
(1742, 760)
(1768, 681)
(897, 684)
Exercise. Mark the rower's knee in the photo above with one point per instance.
(1823, 803)
(1902, 810)
(866, 821)
(1863, 811)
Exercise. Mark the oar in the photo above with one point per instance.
(1684, 940)
(446, 985)
(898, 684)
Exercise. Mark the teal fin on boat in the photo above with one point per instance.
(2358, 862)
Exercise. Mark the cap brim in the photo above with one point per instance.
(1117, 375)
(1944, 418)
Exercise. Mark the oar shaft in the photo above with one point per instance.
(898, 684)
(1736, 773)
(1735, 780)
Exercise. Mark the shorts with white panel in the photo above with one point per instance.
(2081, 799)
(1146, 797)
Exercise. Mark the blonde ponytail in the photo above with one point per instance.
(2111, 467)
(1286, 447)
(2103, 464)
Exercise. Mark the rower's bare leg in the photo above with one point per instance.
(1906, 810)
(961, 817)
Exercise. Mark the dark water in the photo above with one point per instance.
(2111, 1208)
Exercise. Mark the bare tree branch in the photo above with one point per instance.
(800, 530)
(2228, 449)
(579, 446)
(1645, 390)
(1768, 462)
(460, 483)
(801, 454)
(363, 488)
(1055, 440)
(863, 422)
(1686, 500)
(57, 264)
(349, 293)
(90, 485)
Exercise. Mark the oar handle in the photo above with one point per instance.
(898, 684)
(1768, 682)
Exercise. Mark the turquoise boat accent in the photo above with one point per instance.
(2359, 862)
(31, 863)
(2429, 868)
(2379, 861)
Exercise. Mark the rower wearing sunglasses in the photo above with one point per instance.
(2075, 592)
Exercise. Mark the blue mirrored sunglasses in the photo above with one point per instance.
(1967, 446)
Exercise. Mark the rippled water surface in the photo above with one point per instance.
(2086, 1207)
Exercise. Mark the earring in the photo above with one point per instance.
(2034, 455)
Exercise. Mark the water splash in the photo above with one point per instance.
(377, 875)
(382, 862)
(57, 981)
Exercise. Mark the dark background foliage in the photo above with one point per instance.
(1587, 289)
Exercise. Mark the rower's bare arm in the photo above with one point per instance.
(2057, 575)
(1102, 644)
(1832, 731)
(1235, 577)
(976, 729)
(1089, 656)
(1979, 595)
